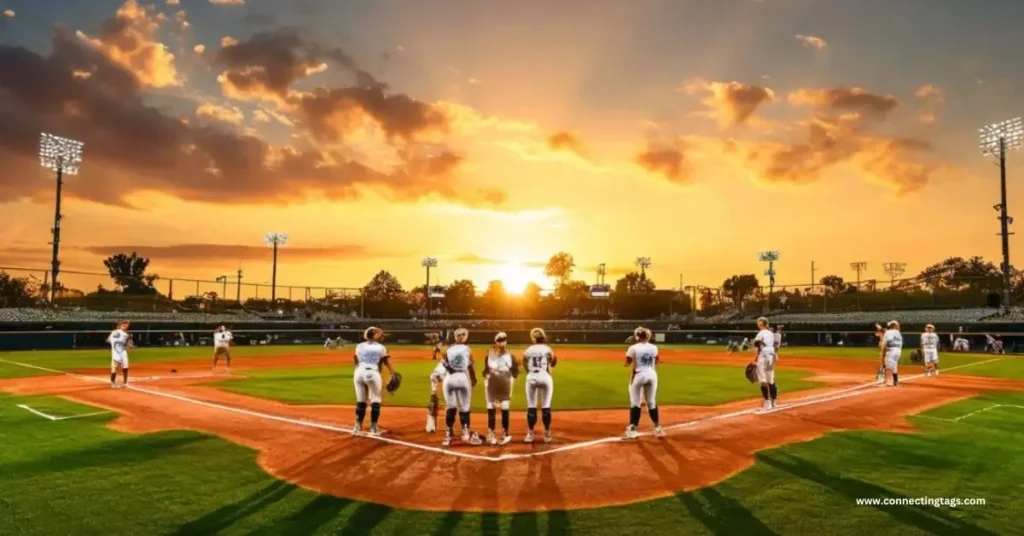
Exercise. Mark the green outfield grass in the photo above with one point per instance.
(79, 477)
(578, 385)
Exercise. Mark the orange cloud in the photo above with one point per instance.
(811, 41)
(220, 113)
(565, 141)
(931, 98)
(732, 103)
(228, 2)
(854, 100)
(129, 40)
(8, 13)
(665, 158)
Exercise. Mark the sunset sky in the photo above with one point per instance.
(494, 134)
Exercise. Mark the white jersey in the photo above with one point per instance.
(892, 341)
(538, 357)
(929, 341)
(118, 340)
(499, 362)
(644, 356)
(369, 354)
(778, 339)
(222, 339)
(767, 338)
(459, 358)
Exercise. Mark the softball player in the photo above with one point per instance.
(369, 356)
(222, 346)
(120, 342)
(764, 343)
(436, 380)
(892, 348)
(643, 383)
(930, 350)
(499, 375)
(539, 359)
(458, 388)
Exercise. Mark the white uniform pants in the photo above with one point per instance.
(540, 387)
(458, 391)
(643, 389)
(368, 384)
(766, 369)
(503, 397)
(931, 355)
(118, 358)
(892, 360)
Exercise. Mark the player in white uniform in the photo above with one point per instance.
(764, 345)
(458, 388)
(500, 371)
(120, 342)
(643, 382)
(437, 377)
(539, 359)
(222, 346)
(777, 336)
(930, 350)
(369, 357)
(892, 349)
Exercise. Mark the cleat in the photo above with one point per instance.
(528, 438)
(506, 439)
(374, 431)
(631, 432)
(474, 439)
(447, 440)
(465, 436)
(491, 440)
(547, 436)
(658, 432)
(113, 386)
(774, 404)
(356, 427)
(431, 424)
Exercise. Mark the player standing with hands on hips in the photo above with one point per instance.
(892, 349)
(643, 383)
(764, 343)
(120, 342)
(539, 358)
(458, 388)
(369, 356)
(222, 346)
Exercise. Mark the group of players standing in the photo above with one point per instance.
(456, 377)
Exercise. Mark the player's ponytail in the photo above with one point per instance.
(538, 336)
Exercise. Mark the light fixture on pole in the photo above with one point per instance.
(223, 279)
(859, 267)
(643, 263)
(275, 240)
(428, 263)
(63, 155)
(894, 270)
(770, 257)
(994, 140)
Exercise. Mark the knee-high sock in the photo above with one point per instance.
(545, 416)
(360, 412)
(374, 412)
(449, 417)
(504, 420)
(531, 418)
(464, 419)
(113, 377)
(653, 412)
(774, 391)
(634, 416)
(764, 391)
(895, 379)
(491, 412)
(124, 372)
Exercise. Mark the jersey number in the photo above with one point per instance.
(645, 360)
(457, 361)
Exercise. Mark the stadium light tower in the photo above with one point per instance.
(428, 263)
(994, 140)
(770, 257)
(894, 270)
(275, 240)
(643, 263)
(601, 271)
(859, 267)
(63, 155)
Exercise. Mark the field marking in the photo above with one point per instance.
(960, 418)
(55, 418)
(800, 402)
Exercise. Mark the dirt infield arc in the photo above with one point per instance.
(587, 466)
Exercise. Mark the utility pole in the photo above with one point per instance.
(428, 263)
(813, 281)
(770, 257)
(63, 155)
(276, 240)
(238, 294)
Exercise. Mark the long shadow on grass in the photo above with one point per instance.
(720, 514)
(930, 519)
(122, 452)
(226, 516)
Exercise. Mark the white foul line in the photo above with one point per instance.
(54, 418)
(800, 402)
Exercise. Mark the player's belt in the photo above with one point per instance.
(537, 370)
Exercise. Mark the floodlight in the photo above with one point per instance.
(429, 262)
(996, 138)
(643, 262)
(60, 154)
(768, 256)
(276, 239)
